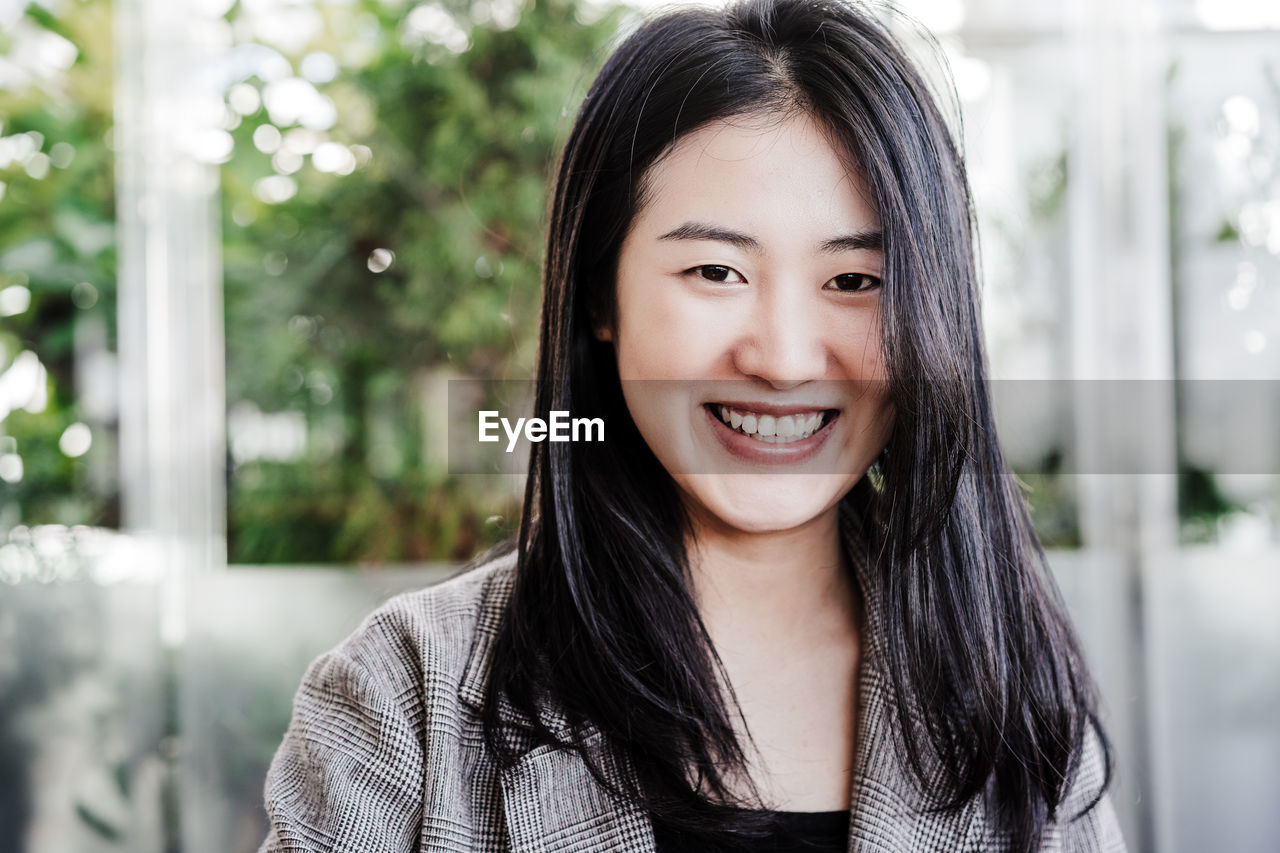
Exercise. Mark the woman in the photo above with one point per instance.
(794, 601)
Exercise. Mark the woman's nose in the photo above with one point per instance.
(784, 342)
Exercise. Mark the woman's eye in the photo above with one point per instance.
(853, 281)
(717, 273)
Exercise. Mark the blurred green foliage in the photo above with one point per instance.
(57, 242)
(354, 298)
(447, 144)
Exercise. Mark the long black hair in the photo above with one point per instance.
(602, 622)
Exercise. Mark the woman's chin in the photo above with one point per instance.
(752, 505)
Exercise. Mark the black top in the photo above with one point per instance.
(797, 832)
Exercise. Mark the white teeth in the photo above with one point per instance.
(770, 429)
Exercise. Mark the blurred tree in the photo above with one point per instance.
(57, 265)
(401, 243)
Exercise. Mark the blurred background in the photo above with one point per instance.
(245, 246)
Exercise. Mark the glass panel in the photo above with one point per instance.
(1018, 131)
(85, 746)
(1224, 107)
(1215, 643)
(1213, 636)
(249, 643)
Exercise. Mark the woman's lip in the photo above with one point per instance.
(778, 411)
(753, 450)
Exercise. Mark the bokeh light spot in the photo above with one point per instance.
(380, 260)
(14, 300)
(76, 440)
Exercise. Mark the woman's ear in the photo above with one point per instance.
(601, 311)
(602, 323)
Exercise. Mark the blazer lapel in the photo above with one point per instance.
(551, 801)
(888, 809)
(888, 812)
(554, 804)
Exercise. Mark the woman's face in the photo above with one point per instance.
(747, 324)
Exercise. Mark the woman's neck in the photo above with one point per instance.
(774, 589)
(784, 614)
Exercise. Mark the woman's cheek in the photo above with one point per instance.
(672, 337)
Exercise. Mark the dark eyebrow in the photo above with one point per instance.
(702, 231)
(862, 240)
(858, 241)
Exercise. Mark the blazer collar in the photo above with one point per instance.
(552, 802)
(493, 602)
(889, 809)
(549, 797)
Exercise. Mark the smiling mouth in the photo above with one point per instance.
(773, 428)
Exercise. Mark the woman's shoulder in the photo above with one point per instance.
(380, 717)
(435, 631)
(421, 657)
(1085, 821)
(482, 584)
(472, 598)
(1086, 817)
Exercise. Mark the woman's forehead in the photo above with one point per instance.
(775, 173)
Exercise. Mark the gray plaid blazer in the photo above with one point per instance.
(384, 753)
